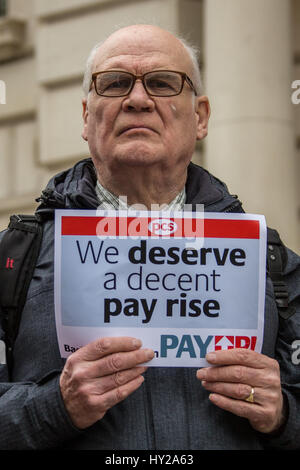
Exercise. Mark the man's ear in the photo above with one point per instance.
(202, 109)
(85, 118)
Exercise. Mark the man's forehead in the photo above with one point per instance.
(152, 45)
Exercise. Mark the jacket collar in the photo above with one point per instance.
(75, 189)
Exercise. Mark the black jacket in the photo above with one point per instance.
(170, 410)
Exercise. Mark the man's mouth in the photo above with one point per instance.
(136, 128)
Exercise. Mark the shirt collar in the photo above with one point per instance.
(108, 200)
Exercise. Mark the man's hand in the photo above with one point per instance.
(235, 373)
(100, 375)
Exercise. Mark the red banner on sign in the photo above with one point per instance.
(159, 227)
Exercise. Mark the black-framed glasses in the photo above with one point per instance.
(156, 83)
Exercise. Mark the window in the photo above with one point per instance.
(12, 33)
(3, 7)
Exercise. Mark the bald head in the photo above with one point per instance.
(141, 142)
(150, 39)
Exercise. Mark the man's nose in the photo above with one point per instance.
(138, 99)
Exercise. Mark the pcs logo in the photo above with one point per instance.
(162, 227)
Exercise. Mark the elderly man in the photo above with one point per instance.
(143, 112)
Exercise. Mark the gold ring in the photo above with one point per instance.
(250, 398)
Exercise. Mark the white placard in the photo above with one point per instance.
(184, 283)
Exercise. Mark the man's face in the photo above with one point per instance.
(140, 129)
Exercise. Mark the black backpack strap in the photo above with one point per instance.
(19, 250)
(276, 262)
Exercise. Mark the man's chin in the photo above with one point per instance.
(140, 156)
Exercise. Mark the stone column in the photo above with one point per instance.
(251, 141)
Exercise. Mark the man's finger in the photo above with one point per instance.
(240, 356)
(232, 390)
(104, 384)
(103, 346)
(235, 374)
(237, 407)
(112, 397)
(119, 361)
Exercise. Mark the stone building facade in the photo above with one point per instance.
(250, 60)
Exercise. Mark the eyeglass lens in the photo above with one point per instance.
(159, 83)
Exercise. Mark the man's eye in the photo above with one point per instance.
(116, 84)
(111, 84)
(159, 84)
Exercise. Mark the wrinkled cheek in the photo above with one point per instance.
(93, 136)
(101, 116)
(99, 131)
(185, 119)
